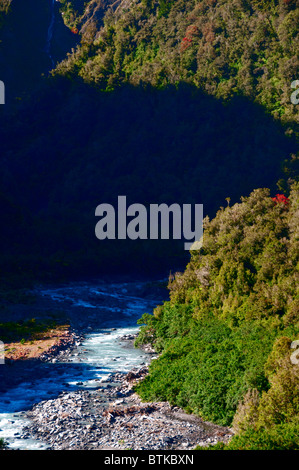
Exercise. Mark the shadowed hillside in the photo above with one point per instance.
(23, 46)
(176, 145)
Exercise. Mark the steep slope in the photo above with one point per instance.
(185, 101)
(4, 9)
(171, 146)
(225, 335)
(224, 47)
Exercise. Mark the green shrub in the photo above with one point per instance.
(279, 437)
(208, 369)
(2, 444)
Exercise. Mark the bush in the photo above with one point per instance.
(279, 437)
(2, 444)
(208, 368)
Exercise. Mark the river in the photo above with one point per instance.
(104, 312)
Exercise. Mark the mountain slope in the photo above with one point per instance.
(225, 335)
(223, 47)
(137, 110)
(164, 101)
(168, 146)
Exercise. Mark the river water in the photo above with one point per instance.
(105, 311)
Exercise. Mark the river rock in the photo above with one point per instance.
(84, 420)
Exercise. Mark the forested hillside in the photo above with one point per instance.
(224, 48)
(225, 335)
(241, 47)
(26, 44)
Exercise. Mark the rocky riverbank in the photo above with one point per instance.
(113, 417)
(29, 363)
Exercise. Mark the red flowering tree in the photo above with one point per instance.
(191, 32)
(280, 199)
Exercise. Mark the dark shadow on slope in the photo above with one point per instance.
(71, 148)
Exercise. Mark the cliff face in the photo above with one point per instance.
(23, 37)
(225, 48)
(24, 51)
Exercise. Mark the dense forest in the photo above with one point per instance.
(225, 335)
(167, 101)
